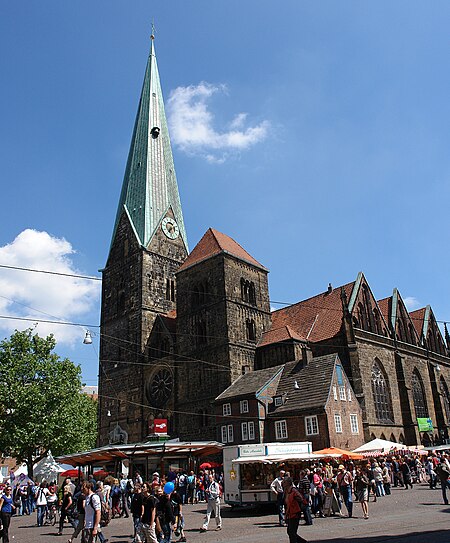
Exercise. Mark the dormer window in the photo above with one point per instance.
(278, 400)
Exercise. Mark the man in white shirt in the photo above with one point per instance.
(92, 513)
(213, 497)
(277, 488)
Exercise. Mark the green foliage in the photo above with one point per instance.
(41, 404)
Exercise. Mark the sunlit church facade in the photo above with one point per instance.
(178, 327)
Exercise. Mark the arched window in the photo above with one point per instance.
(392, 438)
(401, 439)
(381, 393)
(383, 437)
(251, 330)
(420, 404)
(445, 398)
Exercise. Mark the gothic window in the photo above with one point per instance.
(251, 330)
(445, 398)
(381, 393)
(362, 317)
(248, 292)
(420, 404)
(200, 332)
(170, 290)
(377, 320)
(200, 294)
(401, 330)
(159, 389)
(368, 305)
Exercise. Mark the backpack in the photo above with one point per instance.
(105, 512)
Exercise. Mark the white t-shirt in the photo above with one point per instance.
(92, 504)
(41, 496)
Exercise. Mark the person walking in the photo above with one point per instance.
(443, 474)
(345, 481)
(136, 512)
(7, 508)
(165, 512)
(304, 487)
(361, 485)
(277, 488)
(293, 501)
(92, 513)
(148, 515)
(41, 502)
(65, 506)
(79, 526)
(191, 487)
(406, 472)
(213, 504)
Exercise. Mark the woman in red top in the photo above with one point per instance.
(293, 501)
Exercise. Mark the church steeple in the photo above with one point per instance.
(150, 186)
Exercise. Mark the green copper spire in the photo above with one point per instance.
(150, 185)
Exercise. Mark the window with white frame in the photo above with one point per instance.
(349, 394)
(338, 423)
(244, 431)
(354, 424)
(226, 409)
(278, 400)
(230, 433)
(244, 406)
(335, 393)
(224, 434)
(311, 425)
(342, 393)
(281, 429)
(251, 430)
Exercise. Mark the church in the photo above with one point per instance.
(180, 327)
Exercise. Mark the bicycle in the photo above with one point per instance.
(51, 515)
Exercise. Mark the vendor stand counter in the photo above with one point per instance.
(250, 469)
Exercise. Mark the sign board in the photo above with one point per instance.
(160, 426)
(252, 450)
(425, 424)
(289, 448)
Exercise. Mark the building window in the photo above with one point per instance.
(354, 424)
(200, 294)
(445, 397)
(248, 292)
(245, 369)
(251, 330)
(170, 290)
(342, 393)
(311, 425)
(281, 429)
(420, 403)
(349, 394)
(226, 409)
(251, 430)
(381, 393)
(338, 423)
(244, 431)
(335, 393)
(230, 433)
(224, 434)
(200, 332)
(244, 406)
(278, 400)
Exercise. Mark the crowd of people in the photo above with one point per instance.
(156, 506)
(303, 495)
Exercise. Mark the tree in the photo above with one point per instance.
(41, 403)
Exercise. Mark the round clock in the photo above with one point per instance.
(170, 228)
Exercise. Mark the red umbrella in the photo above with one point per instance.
(209, 465)
(69, 473)
(101, 473)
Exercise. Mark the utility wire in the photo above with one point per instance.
(90, 277)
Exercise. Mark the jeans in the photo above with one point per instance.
(444, 486)
(40, 514)
(280, 506)
(166, 533)
(379, 488)
(5, 520)
(346, 493)
(306, 510)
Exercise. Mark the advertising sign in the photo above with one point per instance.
(425, 425)
(160, 426)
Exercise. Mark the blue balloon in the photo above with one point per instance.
(168, 488)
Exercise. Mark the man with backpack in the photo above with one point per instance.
(92, 513)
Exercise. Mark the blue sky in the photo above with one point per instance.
(342, 164)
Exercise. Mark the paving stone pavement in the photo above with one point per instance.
(407, 516)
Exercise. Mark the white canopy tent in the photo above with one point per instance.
(47, 469)
(379, 445)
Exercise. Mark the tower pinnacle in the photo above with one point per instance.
(150, 186)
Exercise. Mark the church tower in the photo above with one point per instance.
(148, 245)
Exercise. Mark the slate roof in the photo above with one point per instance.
(315, 319)
(314, 381)
(249, 383)
(214, 243)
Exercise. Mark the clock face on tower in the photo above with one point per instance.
(170, 228)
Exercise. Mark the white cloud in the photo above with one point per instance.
(411, 303)
(44, 296)
(192, 125)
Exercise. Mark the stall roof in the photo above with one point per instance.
(171, 448)
(274, 458)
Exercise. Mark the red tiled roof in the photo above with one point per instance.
(384, 308)
(417, 318)
(280, 334)
(214, 243)
(315, 319)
